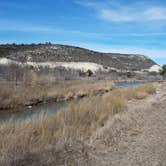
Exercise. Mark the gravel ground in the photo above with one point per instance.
(136, 137)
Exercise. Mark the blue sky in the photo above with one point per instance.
(125, 26)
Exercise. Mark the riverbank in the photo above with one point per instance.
(65, 137)
(17, 96)
(134, 137)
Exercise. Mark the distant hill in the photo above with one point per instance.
(64, 53)
(69, 62)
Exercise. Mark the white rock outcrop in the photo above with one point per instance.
(155, 68)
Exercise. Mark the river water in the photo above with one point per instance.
(27, 113)
(128, 84)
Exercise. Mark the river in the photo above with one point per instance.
(26, 113)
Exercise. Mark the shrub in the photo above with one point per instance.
(163, 71)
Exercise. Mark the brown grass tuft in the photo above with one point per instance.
(139, 92)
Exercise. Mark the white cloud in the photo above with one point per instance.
(149, 14)
(20, 26)
(110, 15)
(116, 12)
(12, 25)
(87, 4)
(155, 13)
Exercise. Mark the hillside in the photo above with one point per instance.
(69, 62)
(62, 53)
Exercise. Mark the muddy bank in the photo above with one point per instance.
(60, 98)
(18, 98)
(69, 96)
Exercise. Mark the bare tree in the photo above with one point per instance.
(15, 73)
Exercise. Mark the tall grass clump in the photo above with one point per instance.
(139, 92)
(80, 119)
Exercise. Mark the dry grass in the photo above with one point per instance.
(76, 122)
(12, 96)
(139, 92)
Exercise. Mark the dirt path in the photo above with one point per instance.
(138, 135)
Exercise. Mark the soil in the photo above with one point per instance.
(136, 137)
